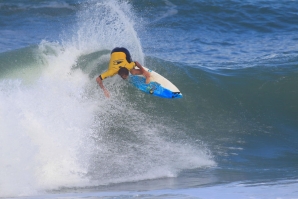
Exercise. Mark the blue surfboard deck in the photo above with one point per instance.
(153, 88)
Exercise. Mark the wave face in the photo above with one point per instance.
(58, 130)
(235, 63)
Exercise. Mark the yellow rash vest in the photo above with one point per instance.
(118, 60)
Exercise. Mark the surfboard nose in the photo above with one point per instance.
(177, 95)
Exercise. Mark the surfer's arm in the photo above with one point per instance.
(99, 81)
(141, 71)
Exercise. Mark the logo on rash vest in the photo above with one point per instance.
(117, 62)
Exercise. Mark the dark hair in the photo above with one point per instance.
(123, 71)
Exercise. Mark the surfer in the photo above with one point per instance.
(121, 64)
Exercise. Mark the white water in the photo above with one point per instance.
(57, 130)
(43, 129)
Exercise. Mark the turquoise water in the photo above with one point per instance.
(232, 135)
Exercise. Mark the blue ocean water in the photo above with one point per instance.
(232, 135)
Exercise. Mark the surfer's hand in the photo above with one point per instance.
(147, 76)
(106, 92)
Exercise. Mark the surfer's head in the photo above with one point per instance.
(123, 72)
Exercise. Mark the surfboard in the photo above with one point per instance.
(159, 86)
